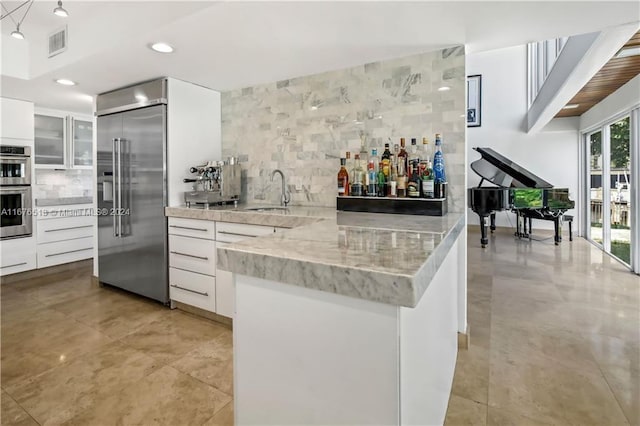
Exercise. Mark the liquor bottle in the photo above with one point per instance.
(428, 187)
(413, 157)
(372, 172)
(402, 155)
(401, 177)
(438, 162)
(343, 179)
(424, 155)
(349, 165)
(386, 156)
(393, 176)
(382, 181)
(413, 186)
(357, 178)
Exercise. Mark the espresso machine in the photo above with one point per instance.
(215, 182)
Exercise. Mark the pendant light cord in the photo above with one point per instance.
(10, 13)
(25, 14)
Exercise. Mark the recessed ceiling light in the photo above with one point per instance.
(66, 82)
(444, 88)
(162, 47)
(571, 106)
(628, 51)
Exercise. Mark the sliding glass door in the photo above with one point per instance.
(610, 199)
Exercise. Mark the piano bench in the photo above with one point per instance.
(568, 218)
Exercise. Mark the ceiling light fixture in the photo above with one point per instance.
(17, 34)
(571, 106)
(161, 47)
(60, 11)
(444, 88)
(66, 82)
(625, 52)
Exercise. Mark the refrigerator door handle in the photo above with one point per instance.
(119, 208)
(114, 195)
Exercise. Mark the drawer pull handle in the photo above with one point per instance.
(15, 264)
(67, 229)
(236, 234)
(189, 228)
(192, 291)
(189, 255)
(67, 252)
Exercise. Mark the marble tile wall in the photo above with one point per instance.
(304, 125)
(63, 183)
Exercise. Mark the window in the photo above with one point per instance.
(541, 57)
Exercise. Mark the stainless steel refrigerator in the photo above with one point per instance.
(132, 189)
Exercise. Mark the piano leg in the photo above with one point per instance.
(493, 221)
(483, 232)
(530, 228)
(556, 230)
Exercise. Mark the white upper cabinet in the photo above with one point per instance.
(16, 118)
(63, 140)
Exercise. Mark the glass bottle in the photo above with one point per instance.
(438, 162)
(413, 157)
(382, 181)
(393, 176)
(401, 176)
(343, 179)
(424, 156)
(386, 156)
(402, 155)
(414, 183)
(357, 178)
(372, 172)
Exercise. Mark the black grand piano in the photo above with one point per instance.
(518, 190)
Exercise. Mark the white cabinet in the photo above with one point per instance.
(17, 255)
(16, 118)
(62, 140)
(64, 234)
(194, 278)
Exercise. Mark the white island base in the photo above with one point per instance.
(304, 356)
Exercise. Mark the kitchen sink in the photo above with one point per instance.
(266, 209)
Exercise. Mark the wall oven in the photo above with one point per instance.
(16, 219)
(15, 165)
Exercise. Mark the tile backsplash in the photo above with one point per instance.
(304, 125)
(60, 183)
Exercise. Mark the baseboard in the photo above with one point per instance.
(228, 322)
(37, 273)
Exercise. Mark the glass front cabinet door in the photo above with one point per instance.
(63, 141)
(82, 143)
(50, 140)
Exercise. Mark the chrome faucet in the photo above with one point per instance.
(285, 197)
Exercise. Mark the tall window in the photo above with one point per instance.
(541, 56)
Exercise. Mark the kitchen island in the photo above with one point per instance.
(350, 319)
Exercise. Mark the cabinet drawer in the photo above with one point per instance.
(70, 211)
(192, 254)
(64, 251)
(192, 289)
(232, 232)
(192, 228)
(19, 262)
(64, 228)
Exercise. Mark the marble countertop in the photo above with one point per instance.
(380, 257)
(63, 201)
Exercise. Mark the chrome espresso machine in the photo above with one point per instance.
(217, 182)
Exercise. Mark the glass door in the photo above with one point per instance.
(594, 141)
(82, 133)
(619, 190)
(49, 142)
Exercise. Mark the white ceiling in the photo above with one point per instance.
(226, 45)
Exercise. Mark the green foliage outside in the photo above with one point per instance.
(619, 144)
(621, 250)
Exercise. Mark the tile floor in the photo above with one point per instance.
(555, 340)
(555, 337)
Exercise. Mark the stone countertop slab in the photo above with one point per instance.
(63, 201)
(292, 217)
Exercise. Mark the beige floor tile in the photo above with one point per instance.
(112, 312)
(165, 397)
(471, 379)
(172, 335)
(211, 362)
(63, 291)
(11, 414)
(498, 417)
(552, 393)
(625, 385)
(224, 417)
(24, 356)
(63, 392)
(464, 412)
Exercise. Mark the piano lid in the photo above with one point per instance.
(505, 173)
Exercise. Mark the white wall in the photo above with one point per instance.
(551, 153)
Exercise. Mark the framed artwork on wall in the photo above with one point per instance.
(474, 100)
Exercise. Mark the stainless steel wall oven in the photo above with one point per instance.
(16, 219)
